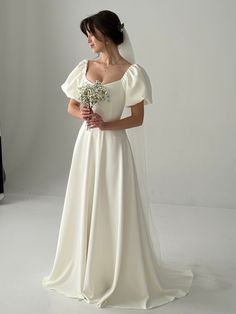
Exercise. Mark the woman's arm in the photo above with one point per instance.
(74, 110)
(136, 119)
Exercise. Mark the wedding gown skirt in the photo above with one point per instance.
(103, 254)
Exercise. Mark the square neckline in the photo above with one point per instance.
(116, 81)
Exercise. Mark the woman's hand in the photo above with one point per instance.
(85, 112)
(96, 121)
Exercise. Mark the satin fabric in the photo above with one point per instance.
(103, 254)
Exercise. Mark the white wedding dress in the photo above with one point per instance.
(103, 254)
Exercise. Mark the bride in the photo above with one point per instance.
(107, 251)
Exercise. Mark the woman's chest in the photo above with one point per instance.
(112, 108)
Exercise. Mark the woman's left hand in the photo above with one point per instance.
(96, 121)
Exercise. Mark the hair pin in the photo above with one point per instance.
(121, 27)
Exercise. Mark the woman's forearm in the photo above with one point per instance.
(135, 119)
(125, 123)
(75, 112)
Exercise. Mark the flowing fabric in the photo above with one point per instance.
(105, 254)
(136, 138)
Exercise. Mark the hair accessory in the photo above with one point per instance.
(121, 27)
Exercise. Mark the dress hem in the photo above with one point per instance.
(104, 304)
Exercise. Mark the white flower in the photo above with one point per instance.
(92, 94)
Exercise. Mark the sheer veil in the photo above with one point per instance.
(136, 138)
(170, 273)
(126, 49)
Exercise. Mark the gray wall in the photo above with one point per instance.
(187, 47)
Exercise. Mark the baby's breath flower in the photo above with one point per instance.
(92, 94)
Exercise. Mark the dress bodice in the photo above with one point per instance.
(133, 87)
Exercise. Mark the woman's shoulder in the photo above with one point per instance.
(137, 67)
(82, 63)
(79, 68)
(137, 84)
(136, 72)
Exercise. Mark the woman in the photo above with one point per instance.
(105, 253)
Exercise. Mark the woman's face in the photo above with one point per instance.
(95, 44)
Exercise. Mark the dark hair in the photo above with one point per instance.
(107, 22)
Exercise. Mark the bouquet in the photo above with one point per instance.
(92, 94)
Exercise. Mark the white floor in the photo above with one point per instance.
(204, 238)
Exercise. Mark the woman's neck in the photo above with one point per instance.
(110, 57)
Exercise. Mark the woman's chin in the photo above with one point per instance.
(95, 50)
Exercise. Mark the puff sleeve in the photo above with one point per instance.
(69, 87)
(137, 86)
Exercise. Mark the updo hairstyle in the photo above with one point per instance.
(107, 22)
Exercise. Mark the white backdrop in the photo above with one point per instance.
(188, 47)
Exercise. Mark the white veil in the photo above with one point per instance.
(171, 274)
(136, 138)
